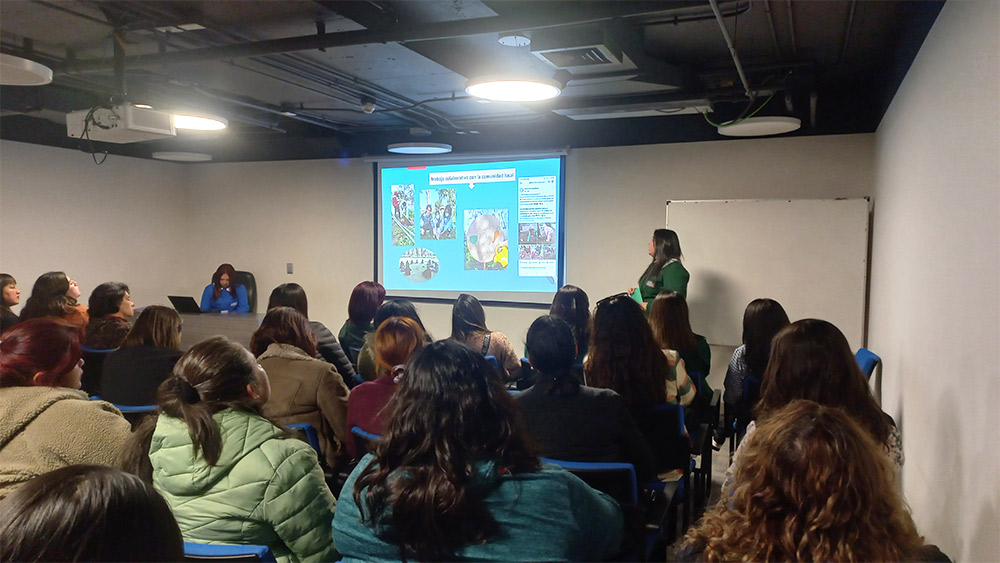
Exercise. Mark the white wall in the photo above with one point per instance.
(122, 221)
(934, 311)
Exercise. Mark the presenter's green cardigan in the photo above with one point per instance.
(673, 276)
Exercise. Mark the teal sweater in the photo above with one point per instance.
(545, 515)
(265, 489)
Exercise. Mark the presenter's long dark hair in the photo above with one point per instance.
(666, 247)
(217, 289)
(624, 355)
(551, 350)
(48, 297)
(762, 319)
(467, 317)
(450, 411)
(572, 305)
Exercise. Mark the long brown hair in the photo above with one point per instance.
(156, 326)
(217, 289)
(572, 305)
(48, 297)
(449, 412)
(283, 325)
(467, 317)
(667, 247)
(623, 355)
(812, 485)
(671, 323)
(762, 319)
(210, 377)
(810, 359)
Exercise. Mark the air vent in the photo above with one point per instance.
(578, 57)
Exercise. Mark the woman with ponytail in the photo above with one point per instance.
(229, 474)
(567, 420)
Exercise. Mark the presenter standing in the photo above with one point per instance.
(221, 295)
(665, 271)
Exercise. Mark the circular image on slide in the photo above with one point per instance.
(486, 239)
(419, 264)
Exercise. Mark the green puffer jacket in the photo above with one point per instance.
(265, 489)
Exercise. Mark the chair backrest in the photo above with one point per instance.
(493, 360)
(615, 479)
(867, 360)
(227, 552)
(250, 283)
(664, 430)
(744, 410)
(128, 408)
(363, 439)
(312, 437)
(93, 367)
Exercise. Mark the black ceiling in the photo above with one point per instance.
(290, 75)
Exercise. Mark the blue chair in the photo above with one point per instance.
(867, 361)
(493, 360)
(615, 479)
(227, 552)
(93, 367)
(127, 409)
(363, 439)
(664, 429)
(312, 437)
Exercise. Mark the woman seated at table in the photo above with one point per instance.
(303, 389)
(55, 295)
(224, 294)
(569, 421)
(453, 478)
(110, 309)
(132, 373)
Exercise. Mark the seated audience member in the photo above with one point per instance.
(223, 294)
(572, 305)
(810, 359)
(762, 319)
(88, 513)
(228, 474)
(365, 300)
(132, 373)
(46, 422)
(453, 479)
(812, 486)
(468, 326)
(395, 340)
(624, 356)
(672, 330)
(110, 308)
(10, 295)
(661, 314)
(571, 422)
(292, 295)
(55, 295)
(391, 308)
(303, 389)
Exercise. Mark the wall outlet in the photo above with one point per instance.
(289, 268)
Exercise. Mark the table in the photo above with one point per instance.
(238, 327)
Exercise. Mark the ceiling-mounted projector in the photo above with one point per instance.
(123, 123)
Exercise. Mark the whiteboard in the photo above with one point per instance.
(810, 255)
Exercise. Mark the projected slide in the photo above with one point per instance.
(473, 227)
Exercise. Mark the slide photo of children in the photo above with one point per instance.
(485, 239)
(546, 233)
(548, 252)
(525, 232)
(419, 264)
(402, 215)
(437, 214)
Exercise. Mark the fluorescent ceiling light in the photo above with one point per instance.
(142, 106)
(18, 71)
(761, 126)
(512, 89)
(182, 156)
(199, 122)
(419, 148)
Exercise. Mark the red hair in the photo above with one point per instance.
(229, 270)
(46, 345)
(365, 299)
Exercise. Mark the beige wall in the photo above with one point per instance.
(934, 287)
(125, 220)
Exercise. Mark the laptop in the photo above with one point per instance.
(185, 304)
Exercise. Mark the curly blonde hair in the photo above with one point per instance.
(813, 486)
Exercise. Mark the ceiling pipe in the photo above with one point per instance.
(732, 48)
(791, 29)
(770, 24)
(401, 34)
(847, 32)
